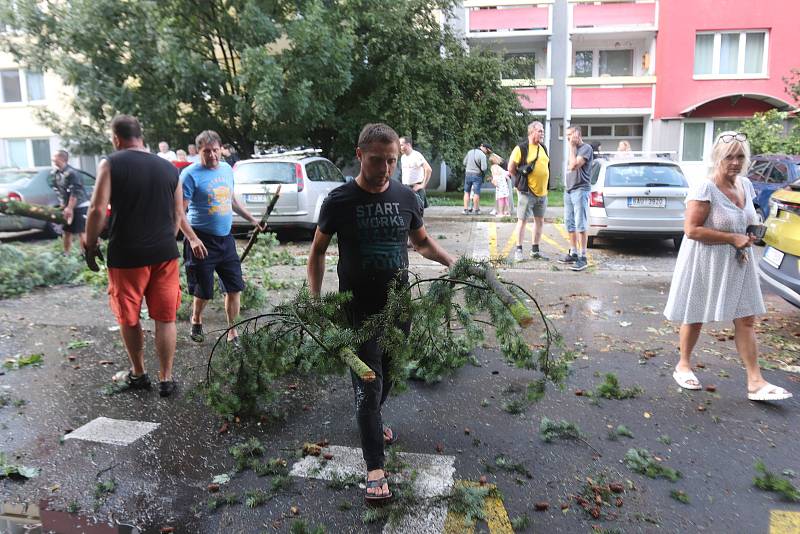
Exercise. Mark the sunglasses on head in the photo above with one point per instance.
(727, 138)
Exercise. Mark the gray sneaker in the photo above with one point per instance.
(568, 258)
(518, 254)
(580, 264)
(537, 255)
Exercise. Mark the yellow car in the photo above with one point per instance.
(780, 265)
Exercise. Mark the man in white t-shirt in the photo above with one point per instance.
(165, 153)
(416, 172)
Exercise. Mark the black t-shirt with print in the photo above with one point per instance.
(372, 231)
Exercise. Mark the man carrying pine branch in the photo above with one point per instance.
(373, 217)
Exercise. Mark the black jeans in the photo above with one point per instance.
(370, 396)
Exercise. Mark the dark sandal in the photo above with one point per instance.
(394, 438)
(378, 483)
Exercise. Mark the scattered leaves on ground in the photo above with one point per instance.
(769, 481)
(643, 462)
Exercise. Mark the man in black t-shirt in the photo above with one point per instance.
(146, 212)
(68, 183)
(372, 216)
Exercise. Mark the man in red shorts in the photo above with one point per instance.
(146, 212)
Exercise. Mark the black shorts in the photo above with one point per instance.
(222, 259)
(78, 224)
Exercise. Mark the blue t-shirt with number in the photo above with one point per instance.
(210, 194)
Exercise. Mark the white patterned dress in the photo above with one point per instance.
(709, 283)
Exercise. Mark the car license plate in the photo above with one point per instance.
(255, 199)
(774, 257)
(647, 202)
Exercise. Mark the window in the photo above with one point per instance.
(41, 152)
(730, 53)
(17, 153)
(519, 66)
(34, 82)
(583, 63)
(10, 86)
(600, 131)
(616, 63)
(779, 174)
(644, 175)
(267, 172)
(334, 174)
(759, 171)
(694, 134)
(726, 126)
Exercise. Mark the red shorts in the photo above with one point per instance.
(159, 284)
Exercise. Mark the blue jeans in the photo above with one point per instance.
(576, 210)
(473, 182)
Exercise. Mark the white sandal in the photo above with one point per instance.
(684, 378)
(769, 392)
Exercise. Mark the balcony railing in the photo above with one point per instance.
(507, 16)
(631, 93)
(596, 16)
(532, 94)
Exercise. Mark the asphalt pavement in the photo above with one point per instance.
(453, 432)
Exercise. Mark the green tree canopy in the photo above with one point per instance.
(768, 134)
(266, 71)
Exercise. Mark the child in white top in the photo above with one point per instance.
(501, 188)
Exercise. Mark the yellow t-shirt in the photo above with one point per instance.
(540, 175)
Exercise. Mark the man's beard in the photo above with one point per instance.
(376, 181)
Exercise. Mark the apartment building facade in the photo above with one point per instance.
(24, 141)
(661, 74)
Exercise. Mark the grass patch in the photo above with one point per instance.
(769, 481)
(644, 463)
(550, 430)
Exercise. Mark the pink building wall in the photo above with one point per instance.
(679, 20)
(611, 97)
(532, 98)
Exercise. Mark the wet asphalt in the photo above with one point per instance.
(712, 438)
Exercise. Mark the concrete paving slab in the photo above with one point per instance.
(112, 431)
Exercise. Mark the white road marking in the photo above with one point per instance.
(480, 241)
(434, 479)
(112, 431)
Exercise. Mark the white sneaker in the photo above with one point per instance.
(518, 256)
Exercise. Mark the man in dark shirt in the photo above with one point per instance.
(373, 217)
(146, 212)
(68, 183)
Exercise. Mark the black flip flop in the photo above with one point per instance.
(378, 483)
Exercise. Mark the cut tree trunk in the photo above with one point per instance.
(34, 211)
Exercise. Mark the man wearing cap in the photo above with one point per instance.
(475, 166)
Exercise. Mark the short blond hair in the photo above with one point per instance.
(721, 150)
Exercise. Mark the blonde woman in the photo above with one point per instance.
(715, 276)
(624, 146)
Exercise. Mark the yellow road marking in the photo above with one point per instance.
(492, 239)
(553, 242)
(496, 516)
(563, 231)
(784, 522)
(510, 243)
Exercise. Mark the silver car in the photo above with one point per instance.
(305, 180)
(637, 197)
(35, 187)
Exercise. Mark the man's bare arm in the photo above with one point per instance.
(181, 205)
(430, 248)
(428, 171)
(316, 262)
(101, 196)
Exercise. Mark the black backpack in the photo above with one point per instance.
(521, 179)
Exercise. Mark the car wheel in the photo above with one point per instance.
(677, 242)
(52, 229)
(590, 242)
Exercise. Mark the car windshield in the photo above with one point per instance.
(10, 177)
(266, 172)
(645, 175)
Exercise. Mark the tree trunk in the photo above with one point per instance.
(34, 211)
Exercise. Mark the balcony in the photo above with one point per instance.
(532, 94)
(507, 18)
(612, 95)
(589, 16)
